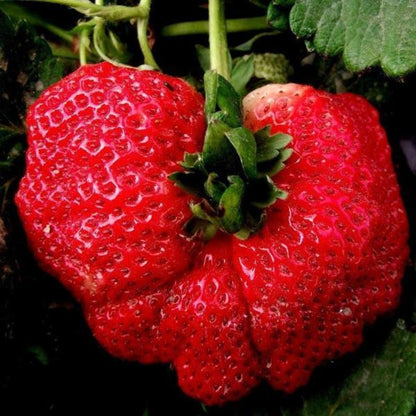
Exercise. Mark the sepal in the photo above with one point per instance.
(232, 174)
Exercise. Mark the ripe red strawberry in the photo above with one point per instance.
(102, 216)
(331, 256)
(98, 209)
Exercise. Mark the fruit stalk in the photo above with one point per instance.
(218, 38)
(99, 35)
(142, 26)
(83, 47)
(110, 13)
(197, 27)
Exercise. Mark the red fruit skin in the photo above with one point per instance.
(200, 324)
(95, 201)
(101, 215)
(331, 256)
(217, 361)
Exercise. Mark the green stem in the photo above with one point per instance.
(65, 55)
(83, 46)
(61, 51)
(142, 28)
(109, 13)
(201, 26)
(99, 36)
(57, 31)
(218, 38)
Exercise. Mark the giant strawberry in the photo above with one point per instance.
(331, 256)
(95, 200)
(293, 290)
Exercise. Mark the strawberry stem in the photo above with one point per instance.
(101, 14)
(83, 47)
(232, 174)
(109, 13)
(218, 38)
(99, 35)
(142, 29)
(198, 27)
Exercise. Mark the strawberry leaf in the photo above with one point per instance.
(218, 153)
(231, 174)
(247, 46)
(269, 147)
(241, 73)
(245, 146)
(277, 18)
(222, 97)
(263, 193)
(230, 204)
(383, 384)
(367, 33)
(191, 182)
(203, 55)
(214, 187)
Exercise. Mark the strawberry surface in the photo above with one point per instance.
(102, 216)
(331, 256)
(96, 202)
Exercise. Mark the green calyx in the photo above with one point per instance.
(232, 174)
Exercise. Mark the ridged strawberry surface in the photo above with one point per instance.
(331, 256)
(95, 199)
(102, 216)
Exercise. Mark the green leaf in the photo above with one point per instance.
(367, 33)
(50, 71)
(241, 73)
(234, 185)
(229, 101)
(221, 96)
(269, 147)
(211, 92)
(21, 13)
(39, 353)
(247, 46)
(218, 153)
(245, 145)
(193, 162)
(273, 166)
(383, 384)
(264, 192)
(230, 203)
(203, 54)
(271, 151)
(214, 188)
(277, 18)
(202, 222)
(191, 182)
